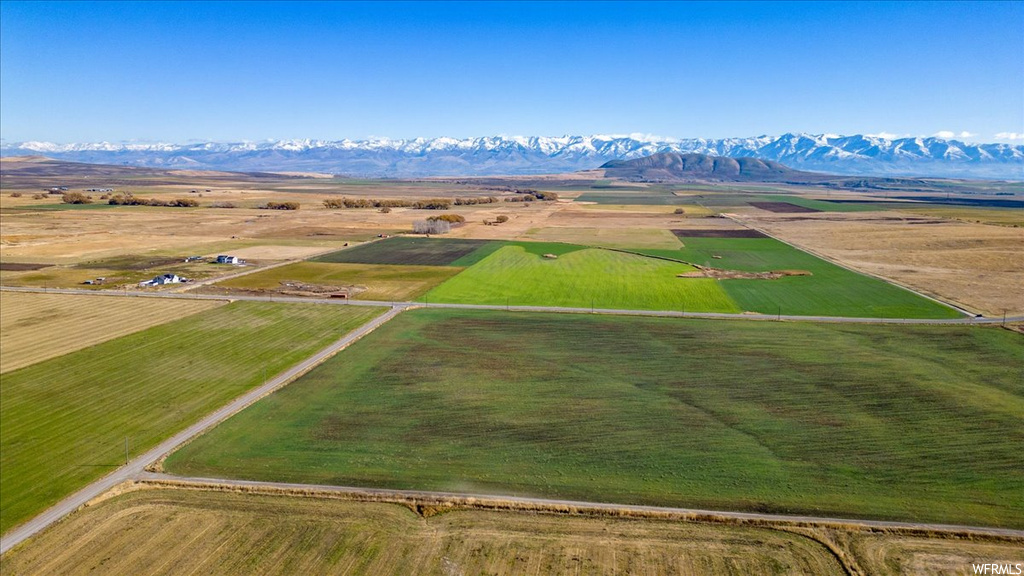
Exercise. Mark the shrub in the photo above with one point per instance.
(184, 203)
(75, 198)
(450, 218)
(679, 211)
(104, 196)
(501, 219)
(223, 205)
(38, 196)
(15, 194)
(433, 204)
(280, 206)
(385, 210)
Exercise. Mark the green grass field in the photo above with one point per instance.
(913, 423)
(407, 251)
(823, 205)
(829, 291)
(581, 278)
(63, 422)
(382, 282)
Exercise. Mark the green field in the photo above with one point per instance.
(407, 251)
(829, 291)
(582, 278)
(382, 282)
(63, 422)
(823, 205)
(915, 423)
(640, 197)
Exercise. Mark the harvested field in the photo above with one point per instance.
(37, 327)
(265, 534)
(912, 423)
(63, 422)
(276, 252)
(782, 207)
(607, 237)
(718, 233)
(406, 251)
(581, 278)
(978, 267)
(364, 281)
(828, 290)
(896, 554)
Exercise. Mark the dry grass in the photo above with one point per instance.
(658, 238)
(978, 267)
(896, 554)
(36, 327)
(225, 533)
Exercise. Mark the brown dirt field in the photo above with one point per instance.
(276, 252)
(189, 531)
(717, 233)
(976, 266)
(782, 207)
(21, 266)
(37, 327)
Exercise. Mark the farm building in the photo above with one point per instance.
(163, 279)
(223, 259)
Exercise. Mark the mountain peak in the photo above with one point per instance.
(488, 155)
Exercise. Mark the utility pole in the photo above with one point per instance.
(125, 450)
(779, 319)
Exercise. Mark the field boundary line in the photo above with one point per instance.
(138, 465)
(832, 261)
(965, 320)
(433, 501)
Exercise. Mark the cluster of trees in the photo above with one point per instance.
(223, 205)
(428, 204)
(280, 206)
(75, 198)
(431, 227)
(475, 201)
(529, 195)
(449, 218)
(129, 199)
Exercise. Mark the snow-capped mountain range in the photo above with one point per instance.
(501, 155)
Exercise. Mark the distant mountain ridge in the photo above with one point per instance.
(677, 166)
(499, 155)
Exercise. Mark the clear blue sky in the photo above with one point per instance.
(79, 71)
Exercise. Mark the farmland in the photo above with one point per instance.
(36, 327)
(915, 423)
(270, 534)
(830, 290)
(368, 281)
(64, 421)
(582, 278)
(977, 266)
(406, 251)
(608, 237)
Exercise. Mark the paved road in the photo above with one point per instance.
(554, 309)
(138, 465)
(487, 500)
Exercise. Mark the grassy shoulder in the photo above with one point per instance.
(912, 423)
(63, 422)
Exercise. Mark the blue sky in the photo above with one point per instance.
(79, 71)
